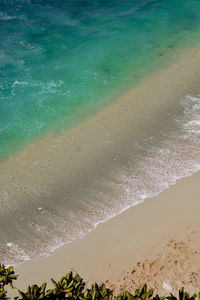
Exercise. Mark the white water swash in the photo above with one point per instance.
(39, 227)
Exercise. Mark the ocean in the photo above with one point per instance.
(61, 62)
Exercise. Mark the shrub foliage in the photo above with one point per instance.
(73, 287)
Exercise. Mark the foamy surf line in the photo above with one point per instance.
(154, 174)
(61, 188)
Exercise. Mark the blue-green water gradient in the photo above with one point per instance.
(59, 58)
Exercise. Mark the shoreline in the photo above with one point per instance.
(140, 235)
(172, 56)
(181, 61)
(52, 168)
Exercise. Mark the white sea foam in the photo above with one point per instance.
(6, 17)
(160, 161)
(19, 83)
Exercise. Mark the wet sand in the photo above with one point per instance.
(52, 169)
(157, 242)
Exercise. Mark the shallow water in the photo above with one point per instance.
(59, 59)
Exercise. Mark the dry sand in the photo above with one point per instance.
(178, 265)
(157, 242)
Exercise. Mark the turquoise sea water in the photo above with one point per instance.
(58, 58)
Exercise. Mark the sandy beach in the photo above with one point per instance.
(75, 164)
(157, 242)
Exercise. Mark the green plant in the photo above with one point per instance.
(72, 287)
(183, 296)
(7, 275)
(3, 294)
(69, 287)
(140, 294)
(98, 292)
(34, 292)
